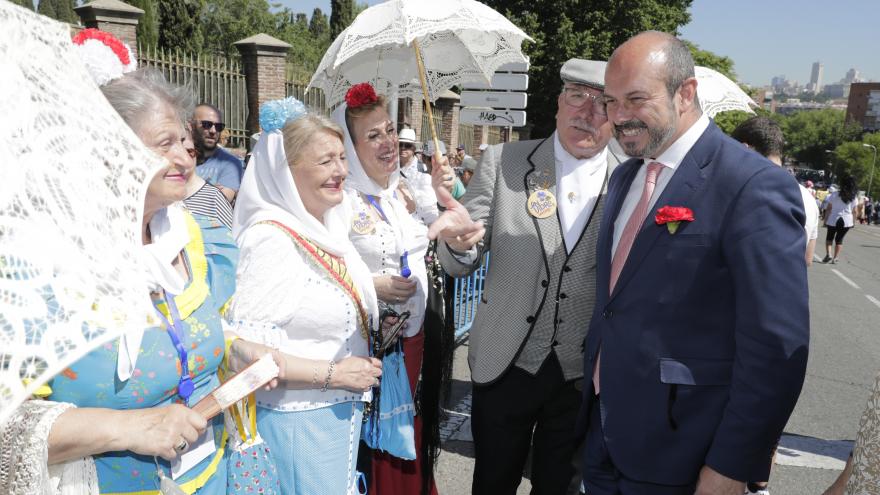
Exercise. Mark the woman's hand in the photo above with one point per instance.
(394, 289)
(356, 373)
(442, 175)
(159, 431)
(244, 352)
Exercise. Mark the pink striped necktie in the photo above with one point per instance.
(633, 225)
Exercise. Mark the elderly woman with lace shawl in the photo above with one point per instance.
(304, 290)
(117, 420)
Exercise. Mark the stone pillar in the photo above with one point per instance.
(447, 103)
(117, 18)
(264, 60)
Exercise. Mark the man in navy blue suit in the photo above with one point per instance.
(698, 342)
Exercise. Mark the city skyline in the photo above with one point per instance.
(768, 39)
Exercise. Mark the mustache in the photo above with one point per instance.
(583, 125)
(630, 125)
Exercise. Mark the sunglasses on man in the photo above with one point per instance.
(207, 125)
(407, 146)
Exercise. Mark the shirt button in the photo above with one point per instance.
(607, 313)
(544, 283)
(530, 319)
(566, 268)
(562, 295)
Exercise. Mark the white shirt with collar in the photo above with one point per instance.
(578, 186)
(671, 159)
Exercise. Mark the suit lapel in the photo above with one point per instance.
(541, 173)
(617, 189)
(688, 178)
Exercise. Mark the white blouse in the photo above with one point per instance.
(382, 247)
(286, 301)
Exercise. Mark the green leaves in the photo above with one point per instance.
(588, 29)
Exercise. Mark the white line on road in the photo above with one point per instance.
(873, 300)
(850, 282)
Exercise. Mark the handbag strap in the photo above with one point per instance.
(334, 265)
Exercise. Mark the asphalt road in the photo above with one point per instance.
(844, 357)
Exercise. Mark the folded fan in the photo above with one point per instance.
(247, 381)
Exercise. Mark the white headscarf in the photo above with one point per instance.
(169, 236)
(268, 192)
(359, 181)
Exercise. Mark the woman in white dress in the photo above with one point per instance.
(303, 289)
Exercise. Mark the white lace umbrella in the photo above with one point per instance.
(457, 40)
(717, 93)
(72, 183)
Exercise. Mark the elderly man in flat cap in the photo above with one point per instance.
(540, 203)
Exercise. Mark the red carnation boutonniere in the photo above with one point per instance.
(672, 216)
(360, 95)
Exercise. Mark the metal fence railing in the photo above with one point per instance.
(313, 99)
(213, 79)
(466, 298)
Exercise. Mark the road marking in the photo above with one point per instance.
(809, 452)
(873, 300)
(456, 418)
(850, 282)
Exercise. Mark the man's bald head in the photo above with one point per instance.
(650, 93)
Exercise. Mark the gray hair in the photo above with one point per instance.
(139, 94)
(298, 133)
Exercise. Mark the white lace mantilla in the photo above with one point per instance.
(460, 40)
(72, 182)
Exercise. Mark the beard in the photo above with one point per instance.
(657, 137)
(199, 141)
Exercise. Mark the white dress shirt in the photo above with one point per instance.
(671, 159)
(578, 186)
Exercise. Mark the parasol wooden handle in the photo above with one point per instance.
(424, 80)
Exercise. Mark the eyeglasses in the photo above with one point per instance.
(407, 146)
(207, 125)
(577, 98)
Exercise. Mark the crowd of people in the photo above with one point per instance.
(630, 335)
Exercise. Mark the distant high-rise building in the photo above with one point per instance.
(852, 76)
(816, 77)
(778, 81)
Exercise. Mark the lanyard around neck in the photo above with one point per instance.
(372, 200)
(185, 385)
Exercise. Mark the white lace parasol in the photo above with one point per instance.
(719, 94)
(72, 183)
(459, 40)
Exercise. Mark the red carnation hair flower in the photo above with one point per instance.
(106, 38)
(360, 95)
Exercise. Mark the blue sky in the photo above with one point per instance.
(766, 38)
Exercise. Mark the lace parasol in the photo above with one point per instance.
(72, 183)
(460, 40)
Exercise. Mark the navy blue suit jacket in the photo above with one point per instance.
(704, 340)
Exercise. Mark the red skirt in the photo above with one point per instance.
(392, 475)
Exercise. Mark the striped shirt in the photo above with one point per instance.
(210, 202)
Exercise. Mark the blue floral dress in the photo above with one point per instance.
(211, 256)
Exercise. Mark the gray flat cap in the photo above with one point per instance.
(588, 72)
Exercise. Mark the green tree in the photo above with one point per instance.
(148, 26)
(227, 21)
(855, 159)
(808, 134)
(341, 15)
(563, 30)
(729, 120)
(28, 4)
(715, 62)
(319, 26)
(60, 10)
(179, 25)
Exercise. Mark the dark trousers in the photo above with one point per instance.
(515, 412)
(601, 477)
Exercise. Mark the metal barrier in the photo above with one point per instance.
(466, 298)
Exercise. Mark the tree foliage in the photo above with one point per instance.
(148, 25)
(227, 21)
(306, 48)
(341, 15)
(179, 25)
(28, 4)
(715, 62)
(60, 10)
(855, 159)
(563, 30)
(808, 134)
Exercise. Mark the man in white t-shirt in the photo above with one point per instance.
(764, 135)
